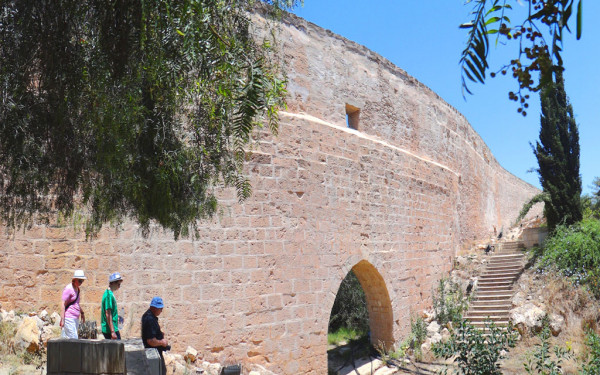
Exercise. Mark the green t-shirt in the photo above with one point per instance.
(109, 302)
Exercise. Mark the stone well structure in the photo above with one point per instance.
(371, 171)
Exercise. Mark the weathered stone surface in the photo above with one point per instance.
(28, 335)
(190, 354)
(70, 356)
(557, 323)
(55, 318)
(364, 366)
(433, 328)
(527, 318)
(386, 371)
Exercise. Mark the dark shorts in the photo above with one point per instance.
(107, 335)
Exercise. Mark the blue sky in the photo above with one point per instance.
(422, 37)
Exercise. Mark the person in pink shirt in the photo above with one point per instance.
(70, 310)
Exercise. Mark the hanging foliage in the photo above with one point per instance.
(129, 108)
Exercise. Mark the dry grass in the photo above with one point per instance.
(576, 305)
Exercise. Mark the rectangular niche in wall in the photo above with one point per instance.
(352, 116)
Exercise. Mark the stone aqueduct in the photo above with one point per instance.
(392, 199)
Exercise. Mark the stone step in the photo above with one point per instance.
(486, 288)
(499, 275)
(503, 272)
(504, 268)
(498, 278)
(490, 305)
(482, 287)
(507, 255)
(493, 282)
(487, 296)
(504, 262)
(498, 323)
(484, 313)
(483, 318)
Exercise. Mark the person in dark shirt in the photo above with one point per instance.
(152, 336)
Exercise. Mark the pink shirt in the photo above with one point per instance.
(69, 295)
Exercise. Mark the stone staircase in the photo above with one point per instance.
(493, 296)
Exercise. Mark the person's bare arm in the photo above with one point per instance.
(109, 321)
(62, 313)
(156, 343)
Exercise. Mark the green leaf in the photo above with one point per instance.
(492, 20)
(180, 32)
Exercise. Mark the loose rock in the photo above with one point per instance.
(190, 354)
(28, 335)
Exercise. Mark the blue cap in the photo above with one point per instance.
(157, 302)
(114, 277)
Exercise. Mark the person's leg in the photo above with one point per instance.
(118, 335)
(106, 335)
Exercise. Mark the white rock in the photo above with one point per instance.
(40, 323)
(190, 354)
(179, 369)
(436, 338)
(55, 318)
(519, 298)
(433, 328)
(556, 324)
(445, 334)
(9, 316)
(44, 315)
(254, 373)
(214, 368)
(426, 346)
(48, 332)
(386, 371)
(169, 358)
(428, 316)
(363, 367)
(529, 316)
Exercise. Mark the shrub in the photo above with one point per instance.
(449, 302)
(592, 343)
(418, 331)
(575, 252)
(474, 352)
(544, 363)
(350, 306)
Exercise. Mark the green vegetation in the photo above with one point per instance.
(575, 252)
(349, 309)
(591, 203)
(542, 361)
(130, 109)
(475, 353)
(344, 335)
(557, 153)
(449, 302)
(591, 366)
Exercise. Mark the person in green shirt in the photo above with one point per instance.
(109, 313)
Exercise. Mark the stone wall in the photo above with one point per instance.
(393, 199)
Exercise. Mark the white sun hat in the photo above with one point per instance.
(79, 275)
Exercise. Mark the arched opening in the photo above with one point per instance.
(363, 310)
(379, 305)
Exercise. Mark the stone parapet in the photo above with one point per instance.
(88, 357)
